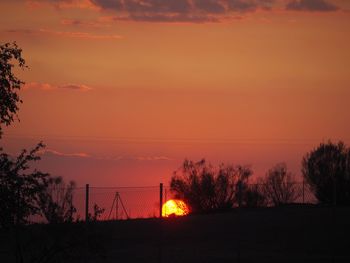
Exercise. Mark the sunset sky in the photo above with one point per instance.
(121, 91)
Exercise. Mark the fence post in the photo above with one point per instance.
(87, 203)
(116, 206)
(71, 208)
(239, 184)
(160, 199)
(303, 191)
(334, 190)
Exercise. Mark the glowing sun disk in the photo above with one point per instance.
(174, 207)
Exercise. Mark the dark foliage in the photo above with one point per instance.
(24, 191)
(56, 200)
(98, 211)
(279, 187)
(9, 83)
(206, 188)
(20, 187)
(254, 196)
(326, 169)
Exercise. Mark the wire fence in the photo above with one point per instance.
(292, 193)
(115, 203)
(119, 203)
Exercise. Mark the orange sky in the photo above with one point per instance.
(122, 92)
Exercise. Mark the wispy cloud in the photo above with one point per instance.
(62, 4)
(168, 11)
(68, 34)
(168, 18)
(51, 152)
(57, 153)
(101, 22)
(153, 158)
(75, 87)
(210, 6)
(49, 87)
(311, 5)
(150, 158)
(195, 11)
(184, 11)
(82, 35)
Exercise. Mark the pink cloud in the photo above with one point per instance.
(68, 34)
(311, 5)
(62, 4)
(75, 87)
(50, 87)
(153, 158)
(101, 22)
(57, 153)
(51, 152)
(41, 86)
(136, 158)
(82, 35)
(186, 11)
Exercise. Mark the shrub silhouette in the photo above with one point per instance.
(254, 196)
(20, 187)
(279, 186)
(56, 200)
(326, 169)
(98, 211)
(206, 188)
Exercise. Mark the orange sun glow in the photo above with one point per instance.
(174, 207)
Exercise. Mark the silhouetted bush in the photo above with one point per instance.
(254, 196)
(326, 169)
(279, 186)
(206, 188)
(20, 187)
(56, 200)
(98, 211)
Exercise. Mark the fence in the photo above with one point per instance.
(114, 203)
(118, 203)
(296, 193)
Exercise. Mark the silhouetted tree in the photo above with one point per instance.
(20, 187)
(326, 169)
(206, 188)
(98, 211)
(56, 201)
(9, 83)
(279, 186)
(254, 196)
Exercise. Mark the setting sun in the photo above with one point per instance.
(174, 207)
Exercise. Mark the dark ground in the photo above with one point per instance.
(285, 234)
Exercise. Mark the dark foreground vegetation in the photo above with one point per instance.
(279, 234)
